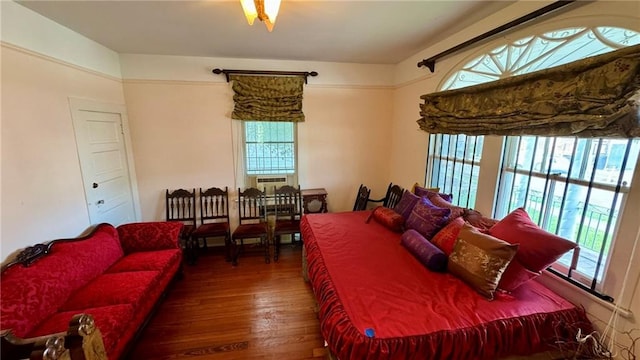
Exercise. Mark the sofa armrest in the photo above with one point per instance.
(82, 341)
(149, 236)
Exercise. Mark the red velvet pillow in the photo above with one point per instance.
(538, 248)
(387, 218)
(446, 237)
(515, 275)
(149, 236)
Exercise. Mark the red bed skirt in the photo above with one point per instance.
(363, 279)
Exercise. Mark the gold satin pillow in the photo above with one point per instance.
(480, 259)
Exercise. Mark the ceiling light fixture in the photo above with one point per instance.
(265, 10)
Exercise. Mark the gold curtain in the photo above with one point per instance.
(267, 98)
(595, 97)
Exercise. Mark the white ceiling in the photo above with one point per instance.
(373, 32)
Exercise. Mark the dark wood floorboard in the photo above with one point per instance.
(251, 311)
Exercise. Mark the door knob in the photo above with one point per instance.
(100, 202)
(95, 185)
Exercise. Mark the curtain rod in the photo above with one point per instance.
(431, 62)
(228, 72)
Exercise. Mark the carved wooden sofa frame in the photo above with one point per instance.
(82, 341)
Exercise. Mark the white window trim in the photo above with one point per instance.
(247, 178)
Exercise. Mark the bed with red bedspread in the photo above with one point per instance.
(376, 301)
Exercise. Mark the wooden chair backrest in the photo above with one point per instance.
(394, 194)
(251, 205)
(362, 198)
(288, 202)
(214, 205)
(181, 206)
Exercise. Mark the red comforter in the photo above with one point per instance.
(378, 302)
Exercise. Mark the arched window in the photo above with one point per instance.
(572, 187)
(539, 52)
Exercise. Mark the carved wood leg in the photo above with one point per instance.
(267, 255)
(193, 244)
(305, 272)
(235, 251)
(276, 248)
(227, 247)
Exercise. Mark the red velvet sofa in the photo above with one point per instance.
(117, 275)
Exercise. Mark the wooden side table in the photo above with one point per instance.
(314, 200)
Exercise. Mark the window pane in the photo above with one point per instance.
(270, 147)
(571, 187)
(453, 166)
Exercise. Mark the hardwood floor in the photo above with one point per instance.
(252, 311)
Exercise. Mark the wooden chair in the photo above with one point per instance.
(391, 198)
(252, 216)
(214, 218)
(362, 197)
(288, 211)
(181, 206)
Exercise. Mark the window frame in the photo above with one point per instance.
(587, 161)
(626, 226)
(245, 152)
(454, 160)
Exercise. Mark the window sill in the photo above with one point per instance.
(579, 296)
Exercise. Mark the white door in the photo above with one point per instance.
(104, 161)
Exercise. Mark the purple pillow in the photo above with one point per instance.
(422, 192)
(406, 204)
(427, 219)
(456, 211)
(427, 253)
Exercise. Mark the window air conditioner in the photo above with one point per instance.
(268, 182)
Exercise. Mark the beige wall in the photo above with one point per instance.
(176, 99)
(408, 143)
(345, 141)
(182, 138)
(42, 192)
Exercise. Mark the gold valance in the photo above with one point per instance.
(594, 97)
(267, 98)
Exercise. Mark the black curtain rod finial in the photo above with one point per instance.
(429, 63)
(220, 71)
